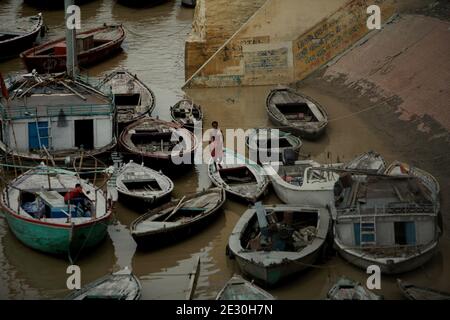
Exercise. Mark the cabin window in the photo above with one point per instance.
(84, 134)
(37, 135)
(405, 233)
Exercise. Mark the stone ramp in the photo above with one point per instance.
(408, 60)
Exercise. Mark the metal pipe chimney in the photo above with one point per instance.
(71, 44)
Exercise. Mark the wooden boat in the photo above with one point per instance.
(138, 183)
(271, 243)
(270, 144)
(71, 122)
(52, 4)
(296, 113)
(141, 3)
(302, 182)
(133, 99)
(189, 3)
(121, 285)
(347, 289)
(186, 113)
(20, 36)
(93, 46)
(155, 139)
(370, 161)
(35, 210)
(240, 177)
(237, 288)
(384, 220)
(177, 219)
(413, 292)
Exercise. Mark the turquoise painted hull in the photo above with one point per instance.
(57, 240)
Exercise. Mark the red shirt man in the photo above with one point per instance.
(74, 193)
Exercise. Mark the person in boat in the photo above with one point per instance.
(216, 143)
(75, 196)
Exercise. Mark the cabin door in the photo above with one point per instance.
(405, 233)
(84, 134)
(37, 139)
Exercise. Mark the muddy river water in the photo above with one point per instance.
(154, 49)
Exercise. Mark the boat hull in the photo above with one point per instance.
(303, 197)
(52, 64)
(163, 238)
(313, 133)
(272, 275)
(12, 49)
(404, 265)
(58, 240)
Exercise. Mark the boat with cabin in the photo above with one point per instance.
(20, 36)
(237, 288)
(385, 220)
(133, 98)
(239, 176)
(34, 207)
(92, 46)
(273, 242)
(296, 113)
(55, 118)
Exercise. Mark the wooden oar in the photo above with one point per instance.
(175, 210)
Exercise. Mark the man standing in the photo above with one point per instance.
(216, 143)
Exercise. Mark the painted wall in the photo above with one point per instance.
(286, 40)
(214, 22)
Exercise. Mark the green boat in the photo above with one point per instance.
(37, 214)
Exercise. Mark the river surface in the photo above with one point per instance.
(154, 50)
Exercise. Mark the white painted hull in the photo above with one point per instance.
(400, 265)
(316, 198)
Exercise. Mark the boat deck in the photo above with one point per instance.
(395, 193)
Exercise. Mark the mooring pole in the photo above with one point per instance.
(71, 44)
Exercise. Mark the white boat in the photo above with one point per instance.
(271, 243)
(121, 285)
(302, 182)
(137, 182)
(239, 176)
(385, 220)
(347, 289)
(237, 288)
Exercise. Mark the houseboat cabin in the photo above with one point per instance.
(57, 116)
(389, 221)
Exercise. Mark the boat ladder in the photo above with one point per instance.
(49, 136)
(368, 230)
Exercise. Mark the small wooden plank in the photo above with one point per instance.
(193, 283)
